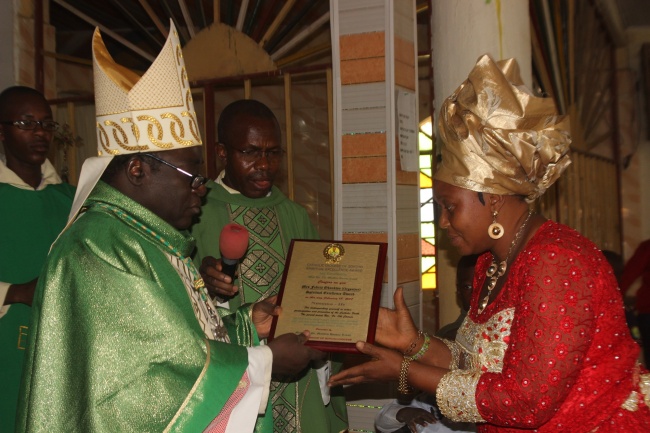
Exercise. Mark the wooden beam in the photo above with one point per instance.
(136, 23)
(276, 22)
(71, 152)
(312, 51)
(289, 134)
(154, 18)
(106, 30)
(301, 36)
(216, 11)
(39, 61)
(242, 15)
(187, 17)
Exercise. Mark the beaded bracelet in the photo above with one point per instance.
(414, 343)
(403, 385)
(423, 349)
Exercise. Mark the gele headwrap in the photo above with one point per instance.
(151, 113)
(499, 138)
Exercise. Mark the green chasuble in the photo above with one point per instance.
(115, 345)
(272, 222)
(30, 221)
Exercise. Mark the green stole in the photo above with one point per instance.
(31, 221)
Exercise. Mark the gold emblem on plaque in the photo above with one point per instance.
(333, 253)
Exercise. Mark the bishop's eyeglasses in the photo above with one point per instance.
(196, 181)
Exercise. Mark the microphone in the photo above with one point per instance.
(233, 243)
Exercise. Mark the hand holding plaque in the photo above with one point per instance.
(331, 288)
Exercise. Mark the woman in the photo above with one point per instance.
(545, 345)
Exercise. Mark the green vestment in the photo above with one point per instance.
(272, 222)
(30, 222)
(115, 344)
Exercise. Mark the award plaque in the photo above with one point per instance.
(332, 289)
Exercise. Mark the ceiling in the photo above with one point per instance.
(139, 23)
(135, 21)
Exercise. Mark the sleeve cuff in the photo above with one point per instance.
(4, 288)
(260, 363)
(456, 396)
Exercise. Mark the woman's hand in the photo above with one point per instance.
(385, 366)
(395, 328)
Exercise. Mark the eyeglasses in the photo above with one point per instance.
(30, 125)
(252, 155)
(197, 179)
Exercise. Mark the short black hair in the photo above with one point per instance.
(242, 107)
(8, 96)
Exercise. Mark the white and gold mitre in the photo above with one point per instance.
(134, 114)
(143, 114)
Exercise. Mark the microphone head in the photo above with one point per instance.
(233, 241)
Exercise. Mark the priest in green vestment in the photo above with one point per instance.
(124, 336)
(250, 144)
(35, 206)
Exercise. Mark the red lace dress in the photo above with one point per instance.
(552, 352)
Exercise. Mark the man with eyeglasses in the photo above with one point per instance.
(34, 207)
(126, 338)
(250, 145)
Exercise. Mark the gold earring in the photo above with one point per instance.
(495, 230)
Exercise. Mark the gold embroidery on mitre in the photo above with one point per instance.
(153, 139)
(179, 54)
(155, 102)
(124, 141)
(192, 126)
(188, 99)
(134, 129)
(104, 141)
(177, 137)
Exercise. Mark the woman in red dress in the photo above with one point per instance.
(545, 346)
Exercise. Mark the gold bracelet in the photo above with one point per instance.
(414, 343)
(403, 385)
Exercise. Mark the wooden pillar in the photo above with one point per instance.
(462, 32)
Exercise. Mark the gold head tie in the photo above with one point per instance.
(497, 137)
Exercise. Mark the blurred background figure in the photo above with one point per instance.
(35, 207)
(639, 266)
(464, 285)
